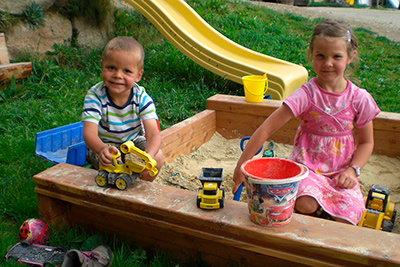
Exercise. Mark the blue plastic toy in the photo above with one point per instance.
(62, 144)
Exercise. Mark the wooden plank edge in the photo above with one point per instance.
(17, 70)
(235, 104)
(184, 137)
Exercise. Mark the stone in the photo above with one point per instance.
(122, 5)
(56, 30)
(19, 6)
(92, 36)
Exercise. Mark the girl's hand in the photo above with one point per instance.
(346, 179)
(238, 179)
(105, 154)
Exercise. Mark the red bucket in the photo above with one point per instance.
(271, 185)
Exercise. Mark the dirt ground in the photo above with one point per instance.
(384, 22)
(219, 152)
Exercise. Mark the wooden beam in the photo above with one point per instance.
(9, 70)
(184, 137)
(17, 70)
(387, 134)
(168, 218)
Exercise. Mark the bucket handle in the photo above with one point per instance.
(265, 87)
(242, 144)
(265, 83)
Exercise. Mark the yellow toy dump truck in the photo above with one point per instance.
(123, 174)
(211, 196)
(380, 213)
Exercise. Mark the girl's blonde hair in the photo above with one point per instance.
(336, 29)
(128, 45)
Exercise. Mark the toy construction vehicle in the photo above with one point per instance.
(211, 196)
(380, 213)
(122, 175)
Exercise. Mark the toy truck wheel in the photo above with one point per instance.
(121, 184)
(101, 179)
(222, 200)
(198, 202)
(123, 181)
(387, 226)
(221, 203)
(134, 176)
(394, 216)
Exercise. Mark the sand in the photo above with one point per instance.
(219, 152)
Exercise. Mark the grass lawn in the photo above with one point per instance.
(53, 96)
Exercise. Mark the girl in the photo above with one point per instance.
(329, 106)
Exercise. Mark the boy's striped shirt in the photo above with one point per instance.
(118, 124)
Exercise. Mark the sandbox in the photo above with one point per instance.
(167, 217)
(183, 172)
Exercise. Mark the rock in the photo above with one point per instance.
(93, 36)
(122, 5)
(56, 30)
(19, 6)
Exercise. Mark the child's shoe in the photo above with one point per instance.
(99, 257)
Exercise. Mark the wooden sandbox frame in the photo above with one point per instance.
(160, 216)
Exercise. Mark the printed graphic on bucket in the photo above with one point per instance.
(271, 205)
(280, 192)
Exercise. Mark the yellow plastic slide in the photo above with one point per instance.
(196, 39)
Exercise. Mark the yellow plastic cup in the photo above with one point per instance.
(255, 87)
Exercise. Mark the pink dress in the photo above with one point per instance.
(325, 143)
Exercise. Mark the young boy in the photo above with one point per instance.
(117, 109)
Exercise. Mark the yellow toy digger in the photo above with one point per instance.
(380, 213)
(124, 174)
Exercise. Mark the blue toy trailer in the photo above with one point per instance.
(62, 144)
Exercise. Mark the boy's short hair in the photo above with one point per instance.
(128, 45)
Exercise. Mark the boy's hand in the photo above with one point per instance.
(105, 154)
(345, 179)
